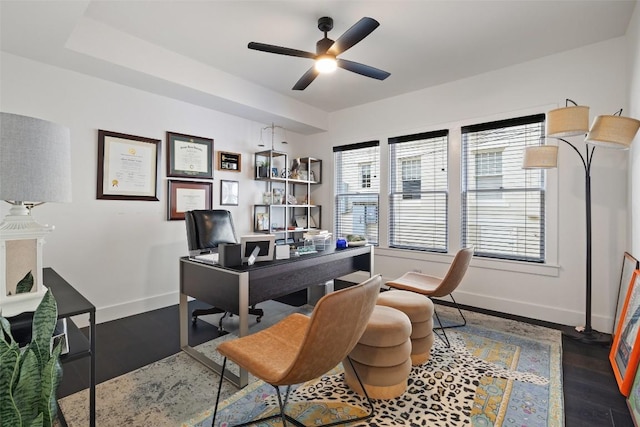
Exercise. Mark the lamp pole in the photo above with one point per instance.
(587, 334)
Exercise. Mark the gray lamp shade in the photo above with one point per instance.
(35, 160)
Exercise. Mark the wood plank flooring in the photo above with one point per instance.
(591, 396)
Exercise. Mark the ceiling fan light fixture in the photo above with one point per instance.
(326, 64)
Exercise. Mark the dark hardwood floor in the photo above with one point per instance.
(591, 396)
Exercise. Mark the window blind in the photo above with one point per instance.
(418, 191)
(503, 204)
(357, 189)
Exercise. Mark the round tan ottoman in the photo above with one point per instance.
(382, 356)
(419, 309)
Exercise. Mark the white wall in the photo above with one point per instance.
(122, 255)
(633, 51)
(554, 293)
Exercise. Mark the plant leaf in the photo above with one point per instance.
(9, 365)
(25, 285)
(27, 391)
(44, 323)
(51, 376)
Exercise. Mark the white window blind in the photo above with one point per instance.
(357, 189)
(418, 191)
(503, 204)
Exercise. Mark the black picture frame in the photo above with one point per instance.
(189, 156)
(128, 167)
(229, 192)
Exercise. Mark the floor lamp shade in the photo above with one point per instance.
(35, 167)
(540, 157)
(568, 121)
(613, 131)
(35, 160)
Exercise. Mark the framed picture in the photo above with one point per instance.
(186, 196)
(629, 265)
(625, 351)
(633, 401)
(189, 156)
(127, 167)
(229, 161)
(229, 193)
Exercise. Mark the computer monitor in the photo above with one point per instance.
(265, 243)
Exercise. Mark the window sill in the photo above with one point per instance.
(477, 262)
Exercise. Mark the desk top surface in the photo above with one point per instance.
(346, 252)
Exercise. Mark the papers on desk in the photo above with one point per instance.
(210, 258)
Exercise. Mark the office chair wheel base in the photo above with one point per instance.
(194, 320)
(258, 319)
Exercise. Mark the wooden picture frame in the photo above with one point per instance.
(128, 167)
(185, 196)
(189, 156)
(625, 350)
(629, 265)
(229, 161)
(229, 192)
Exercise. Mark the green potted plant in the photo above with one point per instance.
(29, 377)
(263, 169)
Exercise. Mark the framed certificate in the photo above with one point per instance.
(229, 193)
(187, 196)
(127, 167)
(189, 156)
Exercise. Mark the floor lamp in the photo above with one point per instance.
(612, 131)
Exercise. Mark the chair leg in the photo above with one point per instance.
(443, 337)
(215, 410)
(442, 328)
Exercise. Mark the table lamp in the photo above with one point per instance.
(35, 167)
(612, 131)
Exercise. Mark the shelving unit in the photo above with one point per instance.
(287, 208)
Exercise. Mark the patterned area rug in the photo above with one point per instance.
(497, 373)
(508, 375)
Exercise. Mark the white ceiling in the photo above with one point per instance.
(197, 50)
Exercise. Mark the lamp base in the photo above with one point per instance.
(587, 337)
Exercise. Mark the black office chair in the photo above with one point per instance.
(206, 229)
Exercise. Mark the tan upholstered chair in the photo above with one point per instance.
(436, 287)
(300, 348)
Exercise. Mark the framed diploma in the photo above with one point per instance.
(186, 196)
(189, 156)
(229, 161)
(229, 193)
(127, 167)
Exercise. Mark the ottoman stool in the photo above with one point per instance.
(382, 356)
(419, 309)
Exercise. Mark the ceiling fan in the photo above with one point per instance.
(327, 51)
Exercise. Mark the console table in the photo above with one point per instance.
(235, 289)
(71, 303)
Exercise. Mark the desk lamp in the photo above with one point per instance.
(612, 131)
(35, 167)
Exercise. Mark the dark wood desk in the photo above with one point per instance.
(71, 303)
(235, 289)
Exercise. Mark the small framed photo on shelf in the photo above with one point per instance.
(189, 156)
(625, 350)
(186, 196)
(127, 167)
(229, 193)
(229, 161)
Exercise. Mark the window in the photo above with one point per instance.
(503, 204)
(418, 191)
(365, 175)
(357, 189)
(489, 174)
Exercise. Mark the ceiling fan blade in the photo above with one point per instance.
(353, 35)
(362, 69)
(306, 79)
(280, 50)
